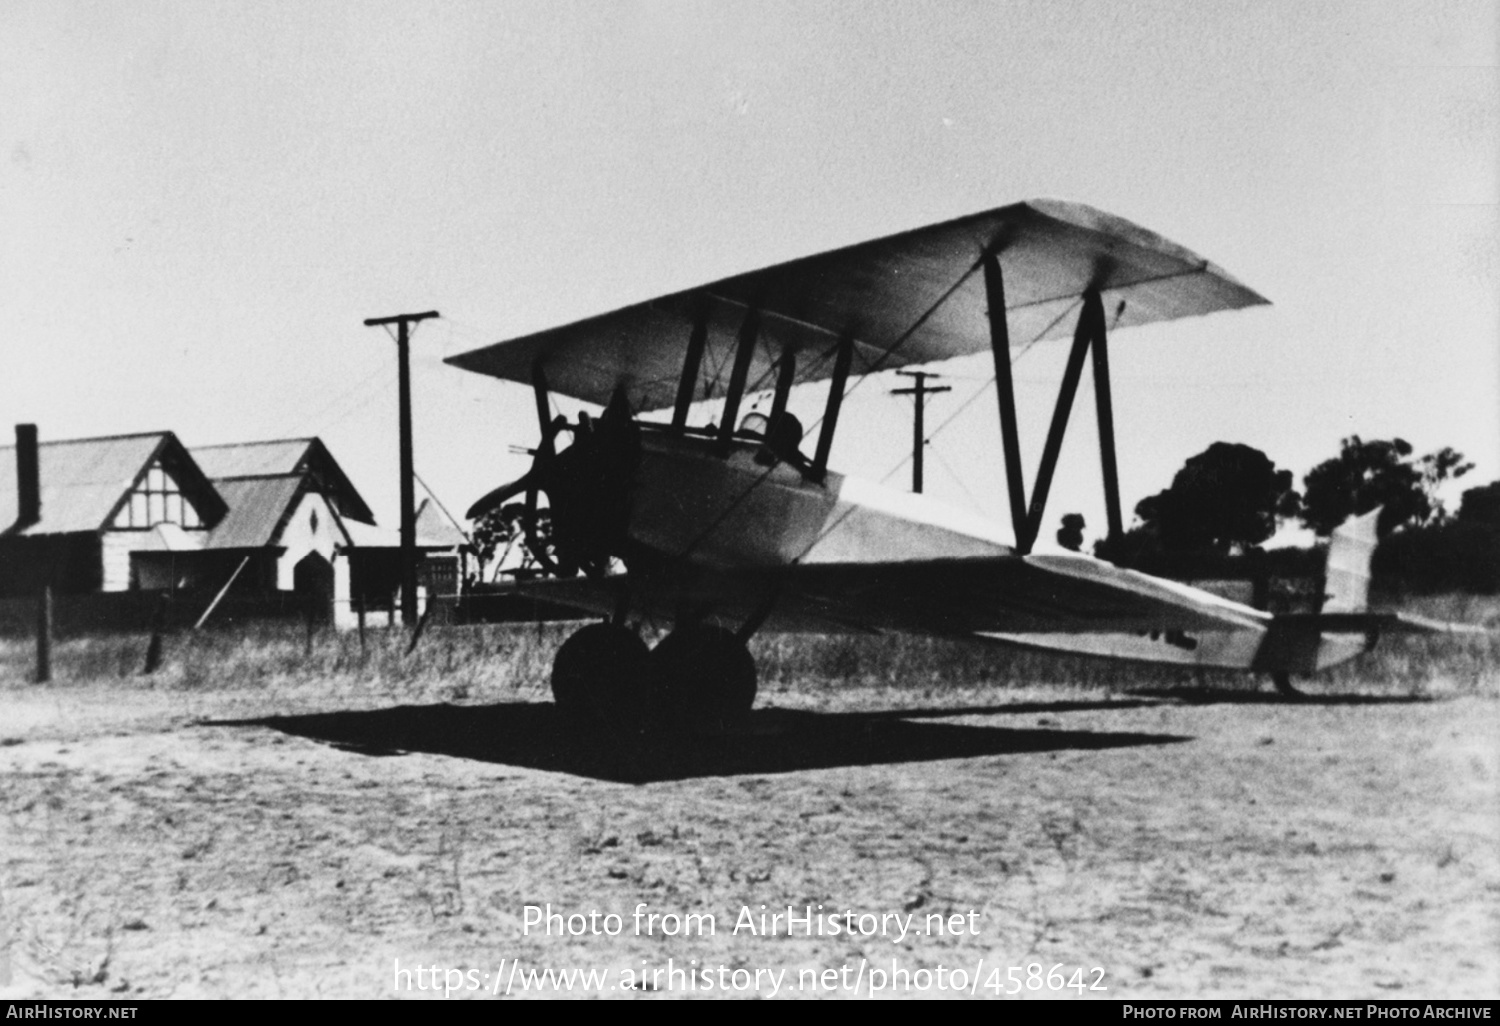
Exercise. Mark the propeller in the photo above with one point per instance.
(529, 482)
(495, 497)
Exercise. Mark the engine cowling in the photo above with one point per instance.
(589, 487)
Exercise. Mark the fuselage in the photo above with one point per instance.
(726, 510)
(745, 509)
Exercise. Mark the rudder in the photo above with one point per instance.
(1346, 580)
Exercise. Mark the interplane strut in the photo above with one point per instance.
(1090, 333)
(994, 284)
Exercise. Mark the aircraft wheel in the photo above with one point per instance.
(704, 677)
(1283, 682)
(598, 676)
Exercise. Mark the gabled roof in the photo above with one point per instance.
(435, 527)
(368, 536)
(85, 481)
(253, 459)
(281, 457)
(258, 507)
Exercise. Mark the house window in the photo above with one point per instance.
(157, 500)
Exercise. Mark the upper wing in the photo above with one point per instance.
(951, 597)
(916, 297)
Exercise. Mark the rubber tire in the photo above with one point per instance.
(703, 677)
(599, 676)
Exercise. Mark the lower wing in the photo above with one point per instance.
(1051, 594)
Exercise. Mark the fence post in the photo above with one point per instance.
(158, 628)
(44, 636)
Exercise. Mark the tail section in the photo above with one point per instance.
(1308, 642)
(1346, 583)
(1305, 642)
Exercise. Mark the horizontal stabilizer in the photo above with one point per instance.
(1380, 623)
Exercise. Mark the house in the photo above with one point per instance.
(286, 530)
(303, 457)
(298, 519)
(258, 521)
(78, 512)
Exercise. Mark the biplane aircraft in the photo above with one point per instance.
(731, 528)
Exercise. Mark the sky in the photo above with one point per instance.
(201, 203)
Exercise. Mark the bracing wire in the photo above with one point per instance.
(973, 500)
(434, 496)
(907, 458)
(872, 369)
(986, 386)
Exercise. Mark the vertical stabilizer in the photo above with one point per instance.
(1346, 582)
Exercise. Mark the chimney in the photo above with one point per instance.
(28, 477)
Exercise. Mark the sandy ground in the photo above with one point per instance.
(174, 844)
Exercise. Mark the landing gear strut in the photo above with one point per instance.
(1283, 682)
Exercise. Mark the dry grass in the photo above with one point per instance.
(508, 662)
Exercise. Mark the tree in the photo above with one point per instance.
(1227, 497)
(1379, 473)
(1449, 554)
(1070, 534)
(1481, 505)
(500, 539)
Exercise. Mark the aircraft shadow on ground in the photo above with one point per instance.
(772, 741)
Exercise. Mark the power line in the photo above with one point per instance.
(324, 418)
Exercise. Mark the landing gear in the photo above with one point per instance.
(599, 676)
(1283, 682)
(704, 678)
(699, 678)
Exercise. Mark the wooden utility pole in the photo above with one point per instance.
(403, 324)
(920, 391)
